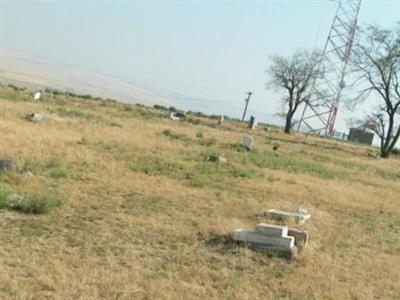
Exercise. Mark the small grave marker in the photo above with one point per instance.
(253, 123)
(37, 95)
(247, 142)
(6, 165)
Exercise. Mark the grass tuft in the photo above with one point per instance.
(176, 136)
(290, 164)
(37, 203)
(4, 197)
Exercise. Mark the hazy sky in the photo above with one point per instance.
(207, 54)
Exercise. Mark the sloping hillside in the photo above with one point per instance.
(132, 210)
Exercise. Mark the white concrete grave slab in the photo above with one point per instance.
(299, 216)
(272, 230)
(264, 241)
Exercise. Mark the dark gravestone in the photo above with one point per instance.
(252, 123)
(180, 114)
(6, 164)
(361, 136)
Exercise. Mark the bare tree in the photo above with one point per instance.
(377, 61)
(295, 75)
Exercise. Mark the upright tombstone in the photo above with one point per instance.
(360, 136)
(253, 123)
(247, 142)
(178, 115)
(221, 120)
(37, 95)
(6, 165)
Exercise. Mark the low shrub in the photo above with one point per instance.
(160, 107)
(290, 164)
(54, 169)
(208, 142)
(152, 165)
(37, 203)
(199, 135)
(4, 197)
(175, 136)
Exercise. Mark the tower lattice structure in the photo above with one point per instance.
(320, 111)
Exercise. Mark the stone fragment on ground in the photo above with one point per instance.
(300, 216)
(34, 117)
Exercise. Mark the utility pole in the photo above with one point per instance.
(247, 103)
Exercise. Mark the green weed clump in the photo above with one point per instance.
(13, 97)
(199, 135)
(209, 173)
(155, 166)
(52, 168)
(290, 164)
(56, 170)
(4, 197)
(176, 136)
(208, 142)
(141, 111)
(76, 112)
(37, 203)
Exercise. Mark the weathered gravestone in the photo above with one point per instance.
(6, 165)
(247, 142)
(253, 123)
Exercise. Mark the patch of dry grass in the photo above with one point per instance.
(145, 217)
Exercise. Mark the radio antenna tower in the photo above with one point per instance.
(319, 114)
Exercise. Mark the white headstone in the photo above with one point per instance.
(37, 95)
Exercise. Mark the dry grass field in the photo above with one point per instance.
(115, 201)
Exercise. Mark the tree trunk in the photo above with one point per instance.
(288, 125)
(385, 152)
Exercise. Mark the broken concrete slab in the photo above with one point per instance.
(34, 117)
(300, 216)
(260, 239)
(272, 230)
(215, 158)
(247, 142)
(6, 165)
(257, 240)
(287, 254)
(301, 237)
